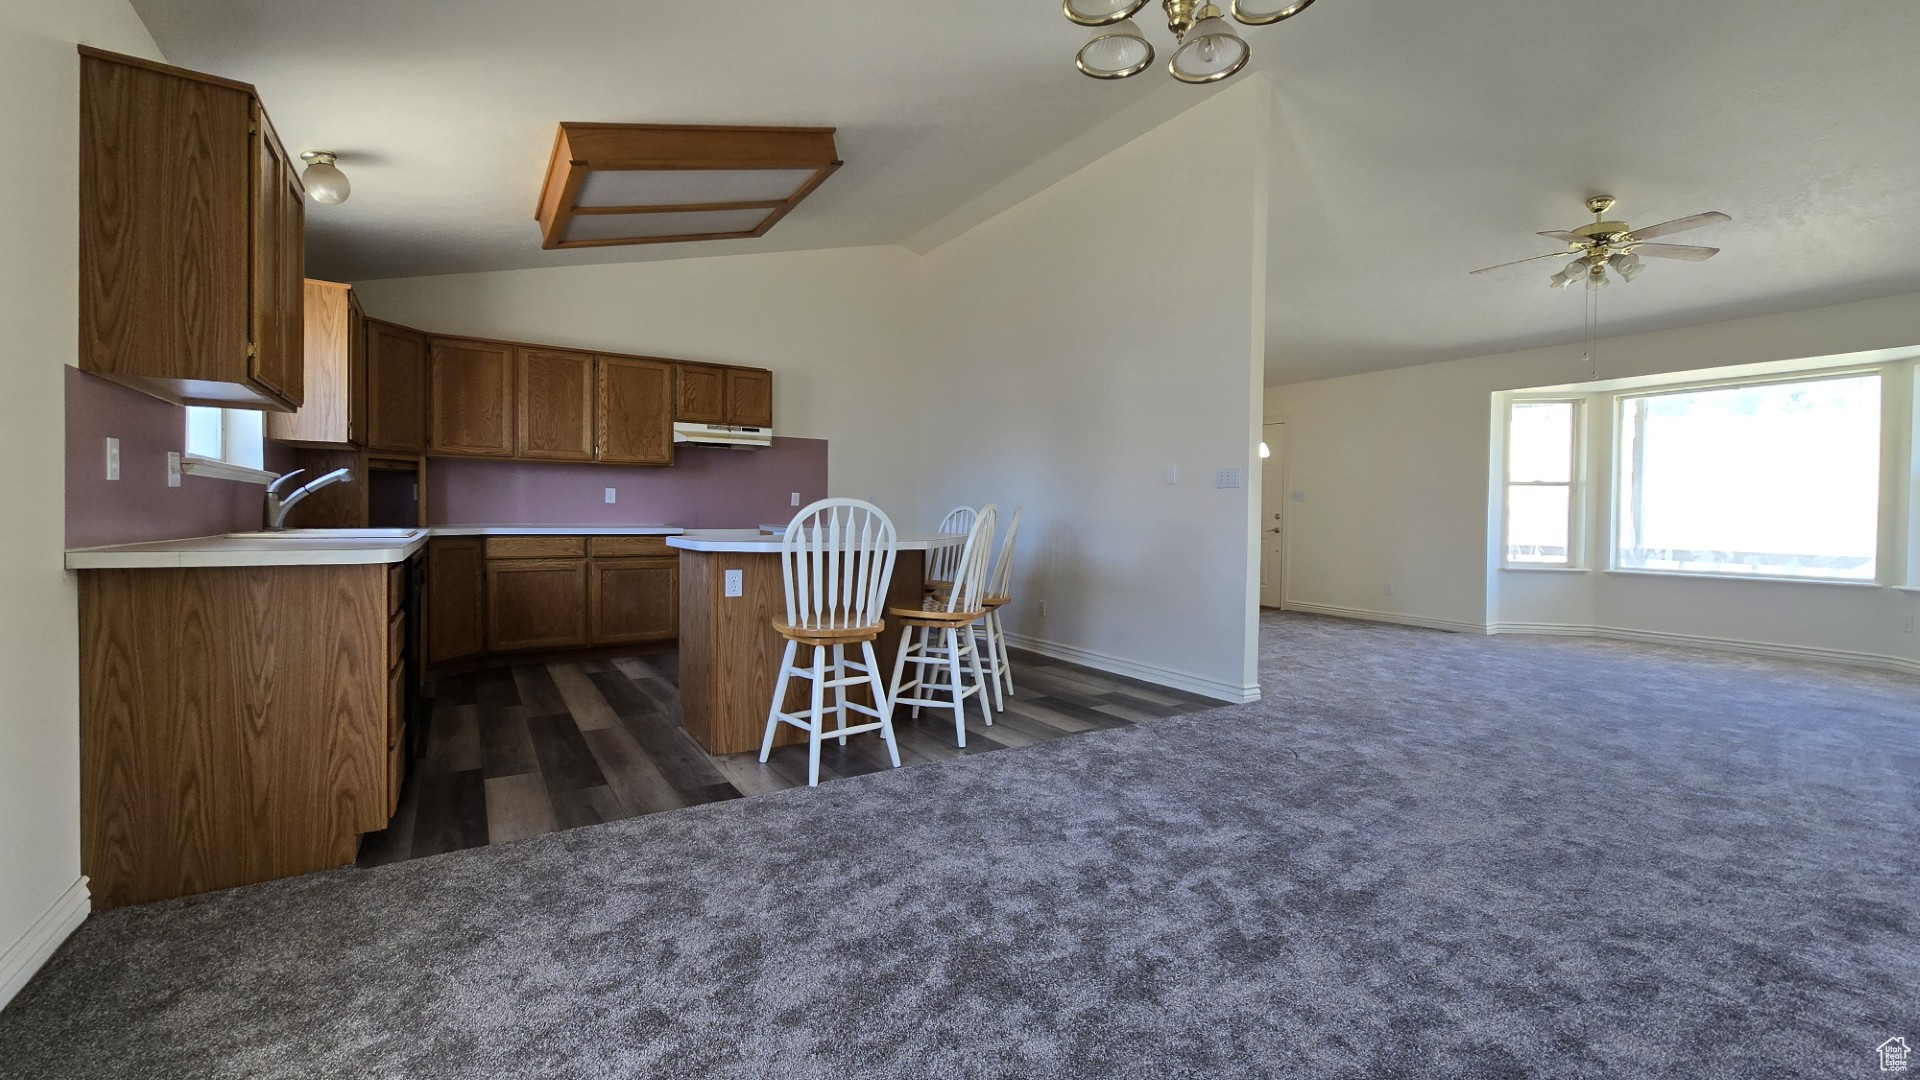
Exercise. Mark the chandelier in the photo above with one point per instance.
(1208, 50)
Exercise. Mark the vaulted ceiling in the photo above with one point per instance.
(1414, 142)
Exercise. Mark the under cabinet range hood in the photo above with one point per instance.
(733, 438)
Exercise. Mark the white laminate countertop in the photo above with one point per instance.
(316, 547)
(753, 541)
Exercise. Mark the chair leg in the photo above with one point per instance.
(1006, 657)
(980, 679)
(926, 636)
(959, 699)
(993, 661)
(840, 692)
(899, 666)
(819, 715)
(779, 698)
(880, 703)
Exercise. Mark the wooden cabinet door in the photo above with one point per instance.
(554, 389)
(456, 577)
(700, 394)
(470, 398)
(536, 604)
(279, 275)
(356, 371)
(635, 600)
(635, 415)
(750, 397)
(333, 405)
(396, 388)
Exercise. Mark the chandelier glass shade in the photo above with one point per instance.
(1208, 47)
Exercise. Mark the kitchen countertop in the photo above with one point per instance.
(753, 541)
(316, 547)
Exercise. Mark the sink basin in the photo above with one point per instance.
(308, 536)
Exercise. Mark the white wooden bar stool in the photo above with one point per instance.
(941, 563)
(993, 637)
(938, 637)
(836, 561)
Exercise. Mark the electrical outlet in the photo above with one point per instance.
(1225, 479)
(1299, 496)
(113, 458)
(173, 468)
(1906, 625)
(1043, 609)
(736, 585)
(1389, 588)
(1173, 474)
(610, 494)
(794, 500)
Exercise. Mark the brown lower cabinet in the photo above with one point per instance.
(507, 594)
(236, 723)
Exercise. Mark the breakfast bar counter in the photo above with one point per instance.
(729, 651)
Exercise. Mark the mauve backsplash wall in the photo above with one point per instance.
(140, 506)
(706, 488)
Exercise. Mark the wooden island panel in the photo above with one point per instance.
(730, 653)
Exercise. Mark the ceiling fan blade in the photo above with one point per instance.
(1536, 258)
(1666, 228)
(1677, 251)
(1568, 237)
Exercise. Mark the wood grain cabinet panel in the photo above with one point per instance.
(334, 404)
(233, 725)
(456, 583)
(634, 600)
(750, 397)
(536, 604)
(555, 392)
(635, 414)
(700, 394)
(470, 397)
(191, 222)
(396, 383)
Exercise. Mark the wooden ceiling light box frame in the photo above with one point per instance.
(583, 150)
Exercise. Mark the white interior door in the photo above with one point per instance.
(1273, 501)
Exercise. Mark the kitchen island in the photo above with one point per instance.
(729, 651)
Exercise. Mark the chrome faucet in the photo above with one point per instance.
(277, 507)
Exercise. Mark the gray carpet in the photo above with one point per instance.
(1423, 855)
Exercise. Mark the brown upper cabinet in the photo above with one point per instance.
(396, 388)
(191, 238)
(334, 412)
(749, 397)
(634, 414)
(471, 397)
(713, 394)
(555, 398)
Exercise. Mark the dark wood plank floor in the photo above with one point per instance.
(515, 751)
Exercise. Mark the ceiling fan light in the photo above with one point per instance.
(324, 182)
(1115, 52)
(1597, 278)
(1560, 280)
(1101, 12)
(1267, 12)
(1211, 51)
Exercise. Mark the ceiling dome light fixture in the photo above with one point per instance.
(324, 182)
(1209, 48)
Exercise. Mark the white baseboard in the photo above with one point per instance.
(25, 956)
(1394, 617)
(1718, 644)
(1178, 680)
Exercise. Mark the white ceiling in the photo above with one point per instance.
(1416, 140)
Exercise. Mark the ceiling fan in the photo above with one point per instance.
(1615, 244)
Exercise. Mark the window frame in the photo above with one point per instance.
(1616, 443)
(1576, 485)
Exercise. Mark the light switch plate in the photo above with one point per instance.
(1299, 496)
(113, 458)
(1226, 478)
(735, 583)
(610, 494)
(1173, 474)
(173, 468)
(795, 501)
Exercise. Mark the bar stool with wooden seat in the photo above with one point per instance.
(836, 562)
(941, 562)
(993, 637)
(938, 637)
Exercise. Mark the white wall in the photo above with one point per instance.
(833, 325)
(1395, 466)
(1078, 344)
(39, 307)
